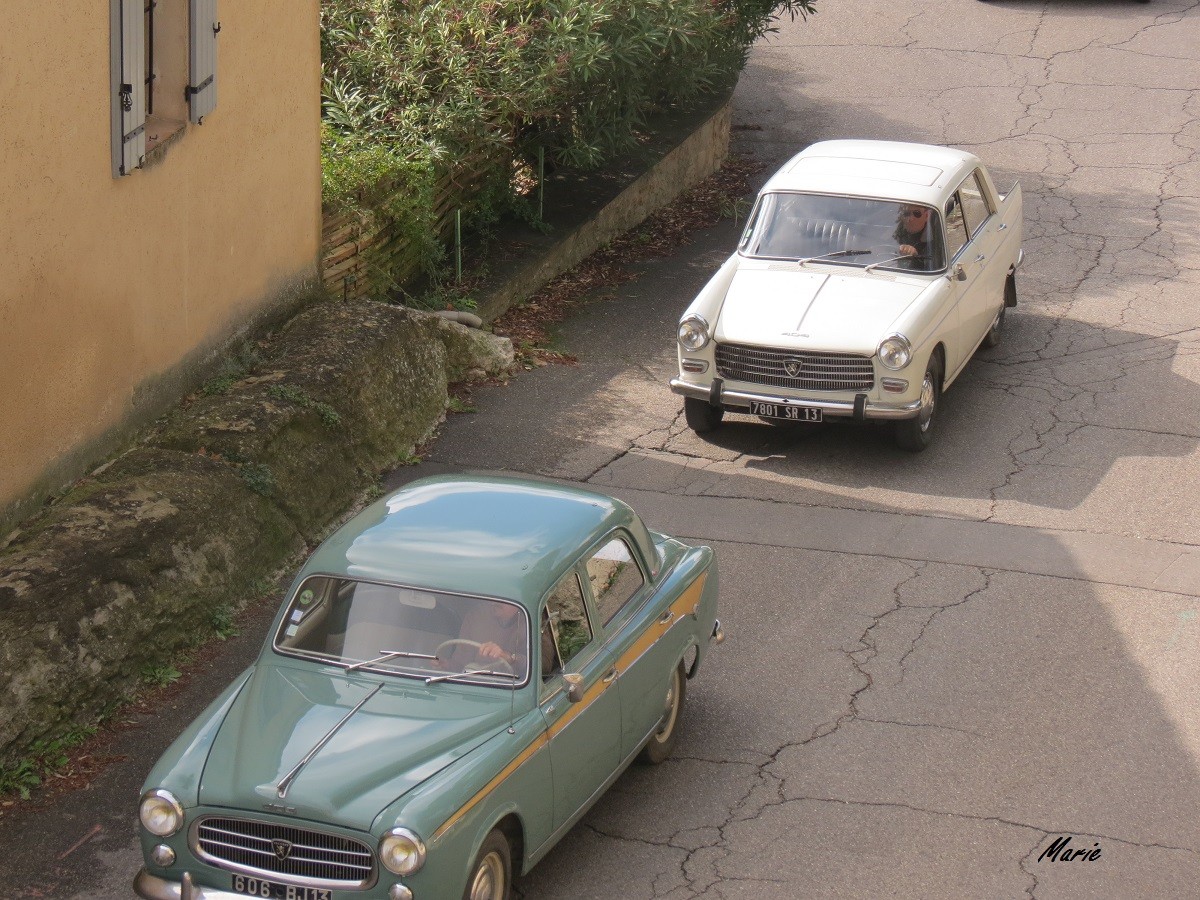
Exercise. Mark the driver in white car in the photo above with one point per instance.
(913, 233)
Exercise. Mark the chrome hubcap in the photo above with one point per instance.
(488, 883)
(670, 712)
(928, 400)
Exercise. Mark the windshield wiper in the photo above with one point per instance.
(808, 259)
(451, 675)
(389, 654)
(895, 259)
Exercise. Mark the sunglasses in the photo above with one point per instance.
(914, 213)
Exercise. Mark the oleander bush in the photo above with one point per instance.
(415, 88)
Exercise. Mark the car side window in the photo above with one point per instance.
(974, 203)
(956, 227)
(615, 578)
(564, 624)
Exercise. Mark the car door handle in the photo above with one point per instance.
(980, 258)
(612, 673)
(665, 618)
(1003, 226)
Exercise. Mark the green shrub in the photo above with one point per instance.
(420, 90)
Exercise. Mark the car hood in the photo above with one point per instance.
(783, 305)
(403, 735)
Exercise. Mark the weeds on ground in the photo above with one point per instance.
(45, 757)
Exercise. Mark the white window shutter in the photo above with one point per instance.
(202, 58)
(129, 85)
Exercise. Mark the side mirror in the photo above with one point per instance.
(574, 686)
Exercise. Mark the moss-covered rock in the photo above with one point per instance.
(348, 389)
(125, 570)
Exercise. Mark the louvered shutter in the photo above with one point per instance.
(129, 85)
(202, 58)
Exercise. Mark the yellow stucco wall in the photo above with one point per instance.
(111, 288)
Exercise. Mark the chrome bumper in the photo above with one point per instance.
(741, 400)
(151, 887)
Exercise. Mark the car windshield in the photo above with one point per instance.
(403, 631)
(848, 231)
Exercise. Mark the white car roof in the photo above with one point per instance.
(916, 173)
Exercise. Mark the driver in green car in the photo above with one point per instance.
(499, 630)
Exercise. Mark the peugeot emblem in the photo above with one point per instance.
(793, 367)
(282, 849)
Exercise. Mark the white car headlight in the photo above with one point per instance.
(160, 813)
(402, 852)
(894, 352)
(693, 332)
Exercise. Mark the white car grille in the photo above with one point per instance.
(804, 370)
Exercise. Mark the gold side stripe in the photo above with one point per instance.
(538, 743)
(683, 606)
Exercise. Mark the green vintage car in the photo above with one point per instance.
(456, 675)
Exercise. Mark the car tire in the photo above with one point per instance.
(916, 434)
(491, 873)
(662, 742)
(701, 415)
(992, 338)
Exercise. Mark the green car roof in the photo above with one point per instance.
(487, 535)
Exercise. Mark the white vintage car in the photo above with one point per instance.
(868, 274)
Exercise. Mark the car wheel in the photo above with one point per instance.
(992, 338)
(491, 875)
(701, 415)
(916, 434)
(662, 742)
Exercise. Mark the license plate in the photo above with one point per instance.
(785, 411)
(258, 887)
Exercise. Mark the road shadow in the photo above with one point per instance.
(1081, 400)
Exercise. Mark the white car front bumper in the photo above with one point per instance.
(738, 399)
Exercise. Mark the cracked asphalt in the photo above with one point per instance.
(936, 665)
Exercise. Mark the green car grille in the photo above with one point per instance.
(270, 848)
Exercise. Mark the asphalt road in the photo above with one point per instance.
(937, 664)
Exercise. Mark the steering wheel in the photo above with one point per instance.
(453, 642)
(476, 666)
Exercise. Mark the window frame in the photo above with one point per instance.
(973, 232)
(631, 604)
(585, 652)
(956, 200)
(180, 38)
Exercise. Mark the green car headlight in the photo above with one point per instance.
(160, 813)
(693, 332)
(402, 852)
(894, 352)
